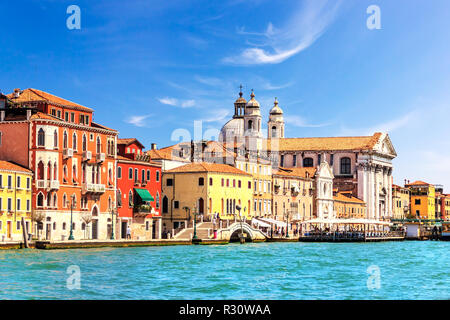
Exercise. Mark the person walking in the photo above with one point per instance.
(128, 232)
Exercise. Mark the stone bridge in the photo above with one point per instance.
(232, 233)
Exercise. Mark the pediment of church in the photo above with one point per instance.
(324, 171)
(385, 146)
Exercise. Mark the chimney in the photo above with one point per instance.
(153, 146)
(16, 92)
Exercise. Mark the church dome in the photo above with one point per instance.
(252, 103)
(234, 127)
(276, 110)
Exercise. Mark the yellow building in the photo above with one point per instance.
(422, 200)
(293, 193)
(261, 171)
(205, 188)
(400, 202)
(15, 201)
(346, 206)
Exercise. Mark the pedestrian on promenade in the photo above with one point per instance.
(128, 232)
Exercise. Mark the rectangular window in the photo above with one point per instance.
(18, 183)
(136, 173)
(86, 120)
(176, 204)
(59, 114)
(130, 174)
(331, 159)
(28, 183)
(239, 183)
(210, 181)
(319, 158)
(66, 116)
(81, 119)
(9, 204)
(9, 182)
(1, 181)
(28, 205)
(119, 172)
(417, 201)
(282, 161)
(294, 160)
(249, 184)
(169, 182)
(53, 112)
(18, 205)
(18, 225)
(72, 117)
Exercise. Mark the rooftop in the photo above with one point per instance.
(207, 167)
(6, 165)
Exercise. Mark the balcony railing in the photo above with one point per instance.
(93, 188)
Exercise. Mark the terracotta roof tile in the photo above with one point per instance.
(325, 144)
(296, 172)
(6, 165)
(344, 198)
(31, 95)
(208, 167)
(418, 183)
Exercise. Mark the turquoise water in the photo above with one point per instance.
(408, 270)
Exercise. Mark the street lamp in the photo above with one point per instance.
(73, 202)
(241, 235)
(195, 223)
(112, 222)
(287, 223)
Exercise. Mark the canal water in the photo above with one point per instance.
(387, 270)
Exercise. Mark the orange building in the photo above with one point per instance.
(422, 200)
(73, 160)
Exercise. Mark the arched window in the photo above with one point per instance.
(64, 203)
(346, 165)
(40, 200)
(74, 141)
(74, 172)
(99, 145)
(40, 171)
(274, 131)
(55, 200)
(250, 124)
(130, 198)
(157, 199)
(55, 139)
(165, 205)
(308, 162)
(148, 175)
(65, 139)
(119, 172)
(119, 198)
(84, 142)
(41, 138)
(49, 200)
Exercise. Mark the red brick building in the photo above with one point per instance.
(138, 191)
(72, 158)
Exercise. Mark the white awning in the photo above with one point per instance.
(273, 221)
(260, 223)
(347, 221)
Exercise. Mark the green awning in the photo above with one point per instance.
(144, 195)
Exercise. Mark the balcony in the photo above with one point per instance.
(92, 188)
(41, 184)
(142, 210)
(87, 155)
(100, 157)
(53, 184)
(67, 153)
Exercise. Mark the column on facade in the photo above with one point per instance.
(389, 176)
(371, 196)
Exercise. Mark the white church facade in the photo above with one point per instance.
(361, 165)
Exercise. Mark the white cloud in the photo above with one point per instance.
(169, 101)
(303, 29)
(138, 121)
(188, 103)
(177, 103)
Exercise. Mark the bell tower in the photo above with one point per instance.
(275, 125)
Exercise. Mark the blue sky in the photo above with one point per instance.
(151, 67)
